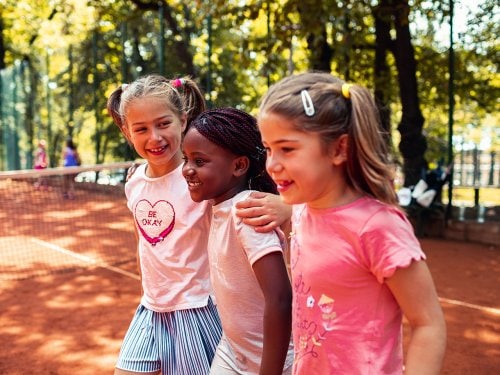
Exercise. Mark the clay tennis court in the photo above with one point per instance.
(72, 320)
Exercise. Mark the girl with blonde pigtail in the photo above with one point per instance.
(356, 264)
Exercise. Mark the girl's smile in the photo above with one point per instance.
(155, 132)
(157, 151)
(283, 185)
(211, 172)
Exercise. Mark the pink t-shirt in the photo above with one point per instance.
(173, 235)
(345, 318)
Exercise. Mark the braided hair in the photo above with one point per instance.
(237, 131)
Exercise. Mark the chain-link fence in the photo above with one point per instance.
(13, 105)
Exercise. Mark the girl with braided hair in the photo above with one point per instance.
(356, 264)
(224, 160)
(176, 327)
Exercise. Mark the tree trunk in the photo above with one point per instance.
(413, 143)
(382, 77)
(181, 46)
(321, 52)
(2, 45)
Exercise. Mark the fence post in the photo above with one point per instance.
(3, 150)
(476, 176)
(16, 163)
(491, 175)
(161, 40)
(209, 59)
(451, 107)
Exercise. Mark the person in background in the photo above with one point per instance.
(223, 159)
(41, 161)
(71, 158)
(356, 264)
(176, 327)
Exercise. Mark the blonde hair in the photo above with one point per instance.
(181, 95)
(338, 109)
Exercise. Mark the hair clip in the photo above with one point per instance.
(124, 86)
(178, 82)
(307, 103)
(345, 90)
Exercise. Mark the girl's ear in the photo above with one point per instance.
(339, 150)
(241, 165)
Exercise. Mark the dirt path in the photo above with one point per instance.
(467, 278)
(73, 323)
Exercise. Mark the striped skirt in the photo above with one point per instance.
(179, 342)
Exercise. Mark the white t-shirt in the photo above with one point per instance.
(173, 234)
(233, 248)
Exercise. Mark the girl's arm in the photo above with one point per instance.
(264, 211)
(273, 279)
(138, 259)
(414, 290)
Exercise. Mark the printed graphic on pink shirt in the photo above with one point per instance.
(311, 332)
(155, 221)
(314, 317)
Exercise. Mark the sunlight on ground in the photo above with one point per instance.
(483, 335)
(67, 214)
(125, 225)
(99, 206)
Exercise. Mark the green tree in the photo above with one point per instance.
(76, 52)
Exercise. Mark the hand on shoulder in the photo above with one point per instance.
(264, 211)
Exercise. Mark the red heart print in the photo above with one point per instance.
(155, 221)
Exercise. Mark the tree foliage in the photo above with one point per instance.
(75, 52)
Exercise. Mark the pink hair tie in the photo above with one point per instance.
(178, 82)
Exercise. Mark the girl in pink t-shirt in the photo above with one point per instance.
(356, 264)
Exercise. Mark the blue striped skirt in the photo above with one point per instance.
(181, 342)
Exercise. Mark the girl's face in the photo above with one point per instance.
(155, 132)
(297, 163)
(211, 171)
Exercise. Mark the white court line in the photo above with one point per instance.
(491, 310)
(84, 258)
(90, 260)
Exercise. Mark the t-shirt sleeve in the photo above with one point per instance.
(133, 186)
(388, 242)
(256, 245)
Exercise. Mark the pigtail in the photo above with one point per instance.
(113, 107)
(194, 101)
(367, 162)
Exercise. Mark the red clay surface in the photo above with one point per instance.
(68, 316)
(73, 323)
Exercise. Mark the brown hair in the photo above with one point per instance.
(181, 95)
(336, 113)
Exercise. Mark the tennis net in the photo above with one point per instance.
(46, 227)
